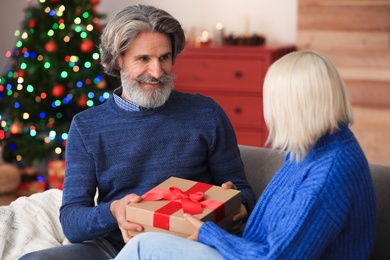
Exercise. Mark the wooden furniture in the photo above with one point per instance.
(233, 76)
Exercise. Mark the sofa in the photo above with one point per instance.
(31, 223)
(261, 164)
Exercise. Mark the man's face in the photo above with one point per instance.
(146, 70)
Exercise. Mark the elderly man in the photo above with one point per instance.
(144, 134)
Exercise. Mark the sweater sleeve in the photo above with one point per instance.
(81, 220)
(289, 238)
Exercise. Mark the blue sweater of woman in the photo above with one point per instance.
(320, 208)
(121, 152)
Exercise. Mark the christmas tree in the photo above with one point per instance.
(54, 73)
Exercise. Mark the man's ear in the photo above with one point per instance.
(119, 62)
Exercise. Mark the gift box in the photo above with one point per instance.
(56, 172)
(162, 207)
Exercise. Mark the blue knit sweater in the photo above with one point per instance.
(123, 152)
(321, 208)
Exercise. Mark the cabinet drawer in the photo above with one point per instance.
(251, 137)
(235, 75)
(243, 111)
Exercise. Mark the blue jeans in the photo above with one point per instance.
(155, 245)
(99, 249)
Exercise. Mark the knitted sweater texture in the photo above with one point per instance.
(123, 152)
(321, 208)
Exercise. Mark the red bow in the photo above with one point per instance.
(190, 202)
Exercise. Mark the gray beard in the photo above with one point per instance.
(150, 98)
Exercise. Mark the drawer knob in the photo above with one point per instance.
(237, 110)
(238, 74)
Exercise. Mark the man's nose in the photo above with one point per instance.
(155, 69)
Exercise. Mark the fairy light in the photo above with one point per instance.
(26, 115)
(95, 56)
(52, 135)
(89, 27)
(23, 66)
(33, 131)
(30, 88)
(64, 74)
(79, 84)
(87, 64)
(20, 80)
(90, 103)
(74, 58)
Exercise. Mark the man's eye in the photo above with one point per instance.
(165, 57)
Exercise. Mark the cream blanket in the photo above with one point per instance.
(31, 223)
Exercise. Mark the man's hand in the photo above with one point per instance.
(241, 215)
(118, 210)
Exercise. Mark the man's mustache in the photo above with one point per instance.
(165, 78)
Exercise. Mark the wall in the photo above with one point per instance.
(276, 19)
(355, 34)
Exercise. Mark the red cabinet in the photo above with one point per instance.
(233, 76)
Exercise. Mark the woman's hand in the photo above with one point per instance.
(196, 223)
(118, 210)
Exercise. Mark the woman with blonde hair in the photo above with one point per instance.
(320, 203)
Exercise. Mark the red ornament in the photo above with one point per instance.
(32, 23)
(98, 27)
(16, 128)
(82, 101)
(51, 46)
(94, 2)
(58, 91)
(102, 84)
(87, 46)
(21, 73)
(54, 1)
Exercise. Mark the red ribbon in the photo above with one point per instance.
(192, 202)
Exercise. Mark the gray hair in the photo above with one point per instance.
(121, 31)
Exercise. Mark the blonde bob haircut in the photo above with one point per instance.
(304, 98)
